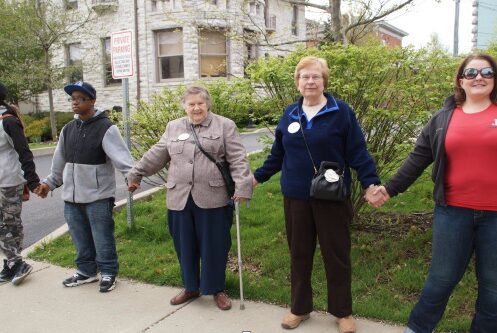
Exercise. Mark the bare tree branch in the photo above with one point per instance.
(379, 16)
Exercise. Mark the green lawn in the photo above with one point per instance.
(41, 145)
(390, 255)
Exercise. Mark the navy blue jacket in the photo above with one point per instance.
(333, 134)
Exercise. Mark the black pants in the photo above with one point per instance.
(330, 222)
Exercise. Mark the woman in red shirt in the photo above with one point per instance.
(461, 142)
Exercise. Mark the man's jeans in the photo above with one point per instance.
(457, 233)
(92, 230)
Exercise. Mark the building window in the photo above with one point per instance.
(71, 4)
(107, 63)
(255, 8)
(170, 54)
(74, 62)
(213, 53)
(251, 47)
(295, 20)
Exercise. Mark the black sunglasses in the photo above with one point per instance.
(471, 73)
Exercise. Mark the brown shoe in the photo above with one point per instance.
(184, 296)
(222, 300)
(346, 324)
(292, 321)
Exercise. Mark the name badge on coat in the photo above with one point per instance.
(293, 127)
(183, 136)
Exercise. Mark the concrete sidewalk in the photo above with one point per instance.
(42, 304)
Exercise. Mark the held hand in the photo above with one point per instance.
(254, 182)
(42, 190)
(242, 200)
(376, 196)
(37, 189)
(133, 187)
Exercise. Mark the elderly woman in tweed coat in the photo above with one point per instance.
(200, 213)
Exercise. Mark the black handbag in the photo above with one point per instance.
(327, 182)
(223, 166)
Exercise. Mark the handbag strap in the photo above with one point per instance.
(5, 116)
(200, 146)
(306, 146)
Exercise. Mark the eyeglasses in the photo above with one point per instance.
(306, 77)
(78, 99)
(471, 73)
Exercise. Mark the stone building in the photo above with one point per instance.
(175, 41)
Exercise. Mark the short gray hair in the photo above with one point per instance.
(196, 90)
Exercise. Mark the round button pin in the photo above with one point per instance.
(183, 136)
(293, 127)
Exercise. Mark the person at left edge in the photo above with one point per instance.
(89, 149)
(16, 169)
(199, 213)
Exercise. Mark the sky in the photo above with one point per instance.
(427, 17)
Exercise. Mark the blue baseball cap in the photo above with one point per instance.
(84, 87)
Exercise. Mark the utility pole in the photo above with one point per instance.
(456, 30)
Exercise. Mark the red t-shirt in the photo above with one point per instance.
(471, 149)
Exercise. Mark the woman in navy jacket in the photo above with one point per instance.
(333, 134)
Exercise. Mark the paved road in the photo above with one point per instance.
(42, 216)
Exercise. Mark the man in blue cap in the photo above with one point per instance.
(89, 149)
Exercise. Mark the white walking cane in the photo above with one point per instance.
(237, 216)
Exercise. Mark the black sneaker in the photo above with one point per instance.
(6, 274)
(107, 283)
(78, 279)
(21, 269)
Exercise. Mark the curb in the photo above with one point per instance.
(254, 131)
(43, 151)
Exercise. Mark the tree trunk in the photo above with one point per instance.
(53, 125)
(336, 20)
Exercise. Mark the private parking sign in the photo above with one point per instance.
(121, 44)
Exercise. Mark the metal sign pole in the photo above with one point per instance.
(127, 138)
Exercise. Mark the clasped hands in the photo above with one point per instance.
(376, 195)
(42, 190)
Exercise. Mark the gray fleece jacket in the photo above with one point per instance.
(85, 158)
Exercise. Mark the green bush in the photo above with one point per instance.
(149, 120)
(392, 90)
(36, 128)
(232, 99)
(37, 125)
